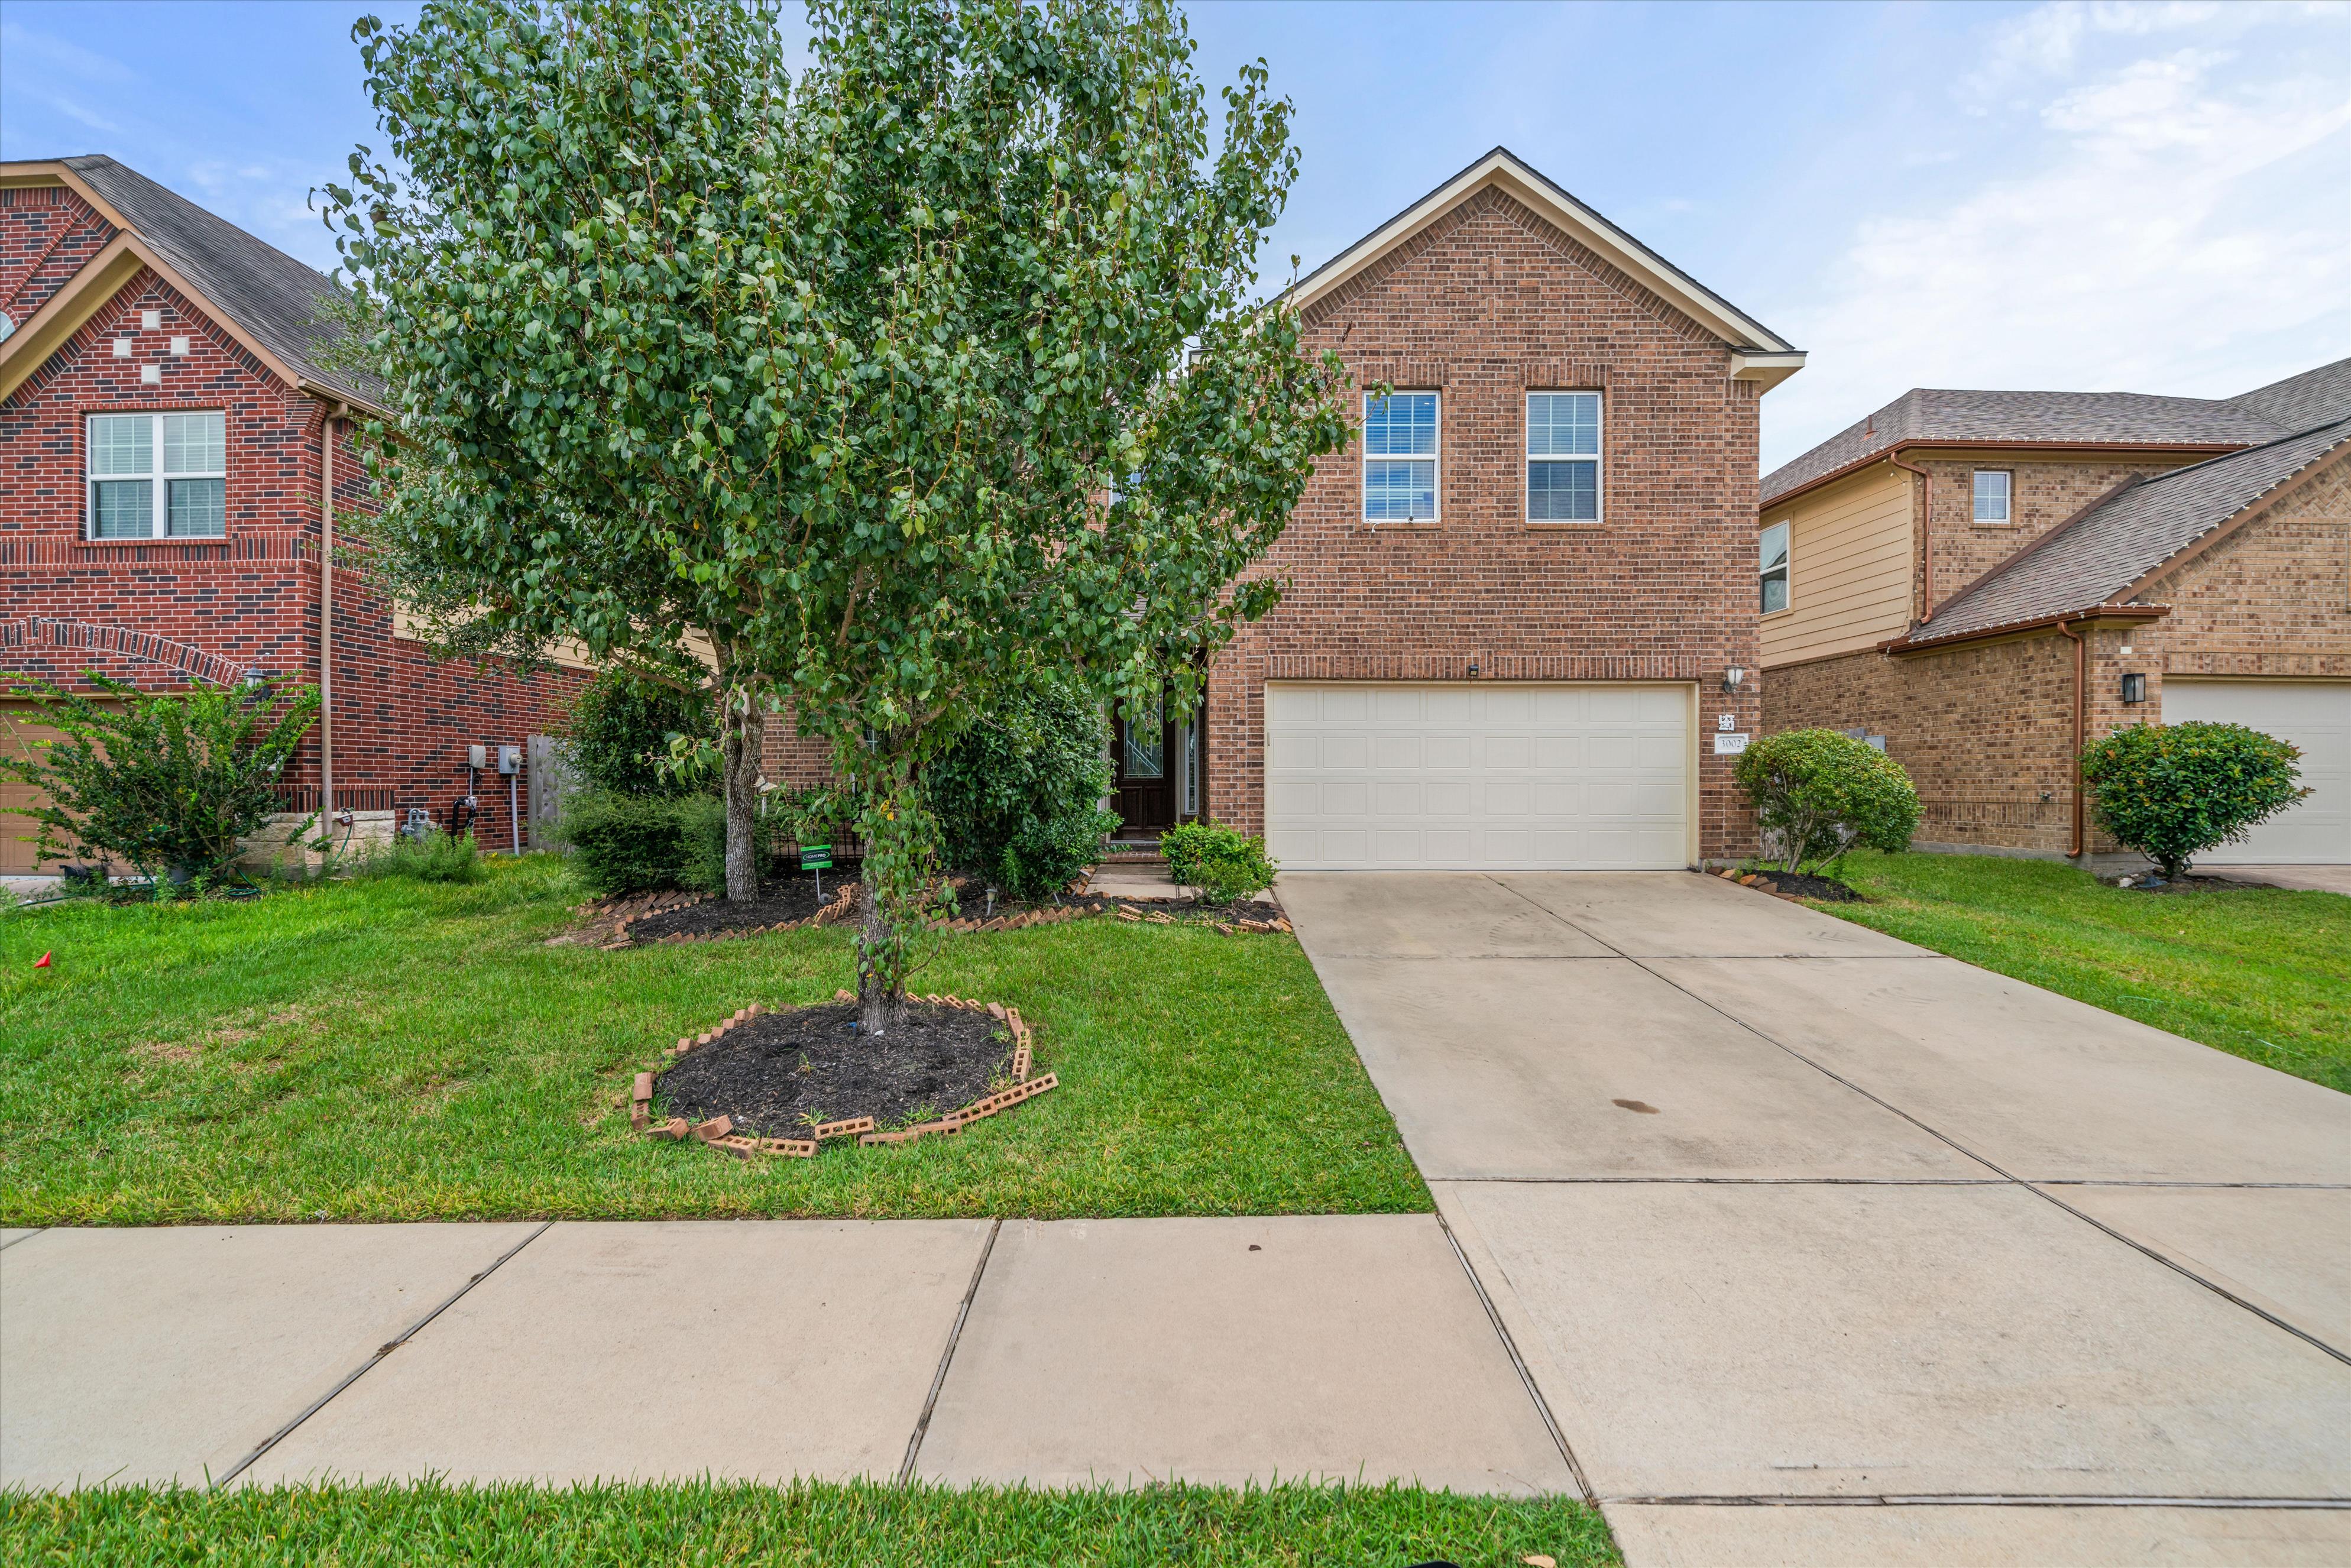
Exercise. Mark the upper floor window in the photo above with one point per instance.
(1564, 457)
(1992, 495)
(158, 475)
(1400, 457)
(1774, 567)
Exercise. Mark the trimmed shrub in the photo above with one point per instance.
(619, 729)
(1817, 794)
(169, 784)
(631, 843)
(1018, 795)
(433, 856)
(1223, 862)
(2172, 792)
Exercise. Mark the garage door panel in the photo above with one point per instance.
(2311, 715)
(1466, 776)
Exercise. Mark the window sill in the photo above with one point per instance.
(1595, 526)
(170, 541)
(1432, 527)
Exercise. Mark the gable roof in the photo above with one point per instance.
(1758, 353)
(2110, 549)
(2300, 403)
(276, 305)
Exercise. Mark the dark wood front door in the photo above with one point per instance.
(1144, 788)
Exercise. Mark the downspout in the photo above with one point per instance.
(2081, 670)
(327, 622)
(1926, 538)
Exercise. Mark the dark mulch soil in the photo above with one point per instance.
(1194, 908)
(2187, 881)
(782, 899)
(1827, 889)
(780, 1073)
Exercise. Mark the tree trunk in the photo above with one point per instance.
(745, 732)
(880, 1004)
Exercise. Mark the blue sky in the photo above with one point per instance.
(2149, 197)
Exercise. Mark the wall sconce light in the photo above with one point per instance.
(1473, 672)
(1731, 678)
(2134, 688)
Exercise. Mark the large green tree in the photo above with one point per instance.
(974, 386)
(545, 280)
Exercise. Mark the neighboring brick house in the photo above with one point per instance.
(1987, 580)
(167, 430)
(1513, 601)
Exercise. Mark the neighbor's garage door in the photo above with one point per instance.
(1505, 776)
(18, 735)
(2314, 715)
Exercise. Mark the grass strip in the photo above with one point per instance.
(709, 1522)
(2259, 972)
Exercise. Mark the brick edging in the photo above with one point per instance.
(718, 1133)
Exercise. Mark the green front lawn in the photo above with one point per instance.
(391, 1050)
(805, 1522)
(2263, 973)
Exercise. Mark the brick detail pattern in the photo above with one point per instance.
(46, 233)
(161, 612)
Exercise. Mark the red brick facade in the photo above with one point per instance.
(158, 613)
(1488, 302)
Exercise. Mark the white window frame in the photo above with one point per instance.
(1597, 457)
(1786, 528)
(2007, 498)
(1436, 461)
(159, 476)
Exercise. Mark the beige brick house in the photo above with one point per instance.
(1987, 580)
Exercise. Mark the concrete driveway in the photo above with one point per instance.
(1779, 1211)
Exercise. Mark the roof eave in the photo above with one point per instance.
(1911, 443)
(1502, 167)
(1911, 643)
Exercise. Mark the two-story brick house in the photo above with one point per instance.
(175, 446)
(1514, 601)
(1988, 579)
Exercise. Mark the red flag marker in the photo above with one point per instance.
(42, 962)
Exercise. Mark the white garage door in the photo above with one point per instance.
(1453, 775)
(2314, 715)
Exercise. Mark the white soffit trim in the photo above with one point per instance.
(1504, 168)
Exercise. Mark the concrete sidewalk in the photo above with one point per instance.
(1124, 1351)
(1822, 1249)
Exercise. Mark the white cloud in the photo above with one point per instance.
(56, 54)
(2161, 229)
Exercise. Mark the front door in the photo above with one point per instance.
(1144, 789)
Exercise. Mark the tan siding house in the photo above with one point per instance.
(1965, 573)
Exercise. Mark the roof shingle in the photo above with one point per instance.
(283, 304)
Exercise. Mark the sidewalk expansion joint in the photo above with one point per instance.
(382, 1351)
(1526, 1377)
(946, 1357)
(27, 1236)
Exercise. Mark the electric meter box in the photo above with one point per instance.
(509, 758)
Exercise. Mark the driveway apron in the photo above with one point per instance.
(1822, 1248)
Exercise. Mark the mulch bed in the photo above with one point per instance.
(782, 901)
(1230, 918)
(779, 1075)
(2188, 882)
(1794, 885)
